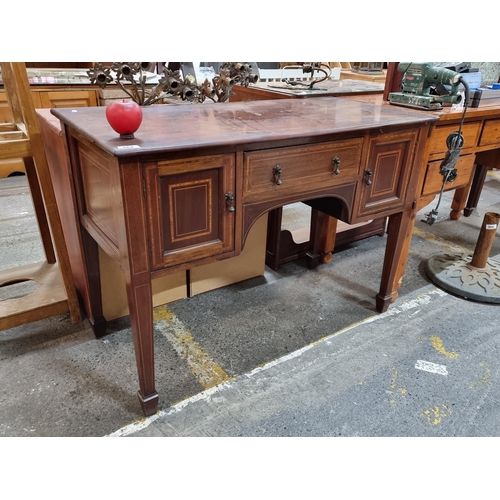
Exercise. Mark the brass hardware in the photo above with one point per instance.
(277, 174)
(368, 176)
(336, 165)
(230, 201)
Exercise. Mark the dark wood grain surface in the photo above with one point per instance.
(448, 113)
(326, 88)
(177, 127)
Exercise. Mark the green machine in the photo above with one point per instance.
(427, 86)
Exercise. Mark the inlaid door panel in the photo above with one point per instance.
(191, 208)
(386, 173)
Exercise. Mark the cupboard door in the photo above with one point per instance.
(68, 99)
(191, 208)
(385, 176)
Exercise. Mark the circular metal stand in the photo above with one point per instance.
(453, 273)
(475, 277)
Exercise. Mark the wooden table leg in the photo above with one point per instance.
(138, 282)
(475, 190)
(484, 161)
(273, 252)
(140, 302)
(328, 237)
(93, 278)
(459, 201)
(399, 233)
(322, 238)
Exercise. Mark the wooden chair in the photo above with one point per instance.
(21, 139)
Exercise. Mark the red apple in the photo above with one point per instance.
(125, 117)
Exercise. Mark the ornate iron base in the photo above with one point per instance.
(453, 273)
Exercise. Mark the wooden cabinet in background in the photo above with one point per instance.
(67, 98)
(57, 98)
(44, 98)
(5, 116)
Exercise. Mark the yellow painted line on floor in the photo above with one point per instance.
(394, 389)
(485, 380)
(437, 343)
(166, 320)
(432, 238)
(207, 372)
(436, 414)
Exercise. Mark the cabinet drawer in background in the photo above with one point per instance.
(434, 180)
(5, 114)
(291, 170)
(437, 141)
(491, 133)
(68, 99)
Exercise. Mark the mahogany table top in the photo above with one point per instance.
(179, 127)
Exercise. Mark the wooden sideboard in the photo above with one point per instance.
(54, 97)
(188, 188)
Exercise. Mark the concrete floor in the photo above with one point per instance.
(293, 353)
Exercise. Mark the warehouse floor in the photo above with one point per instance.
(292, 353)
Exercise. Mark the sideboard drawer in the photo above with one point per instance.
(434, 180)
(286, 171)
(470, 132)
(491, 133)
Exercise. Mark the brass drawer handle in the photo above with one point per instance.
(336, 165)
(368, 176)
(230, 201)
(277, 175)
